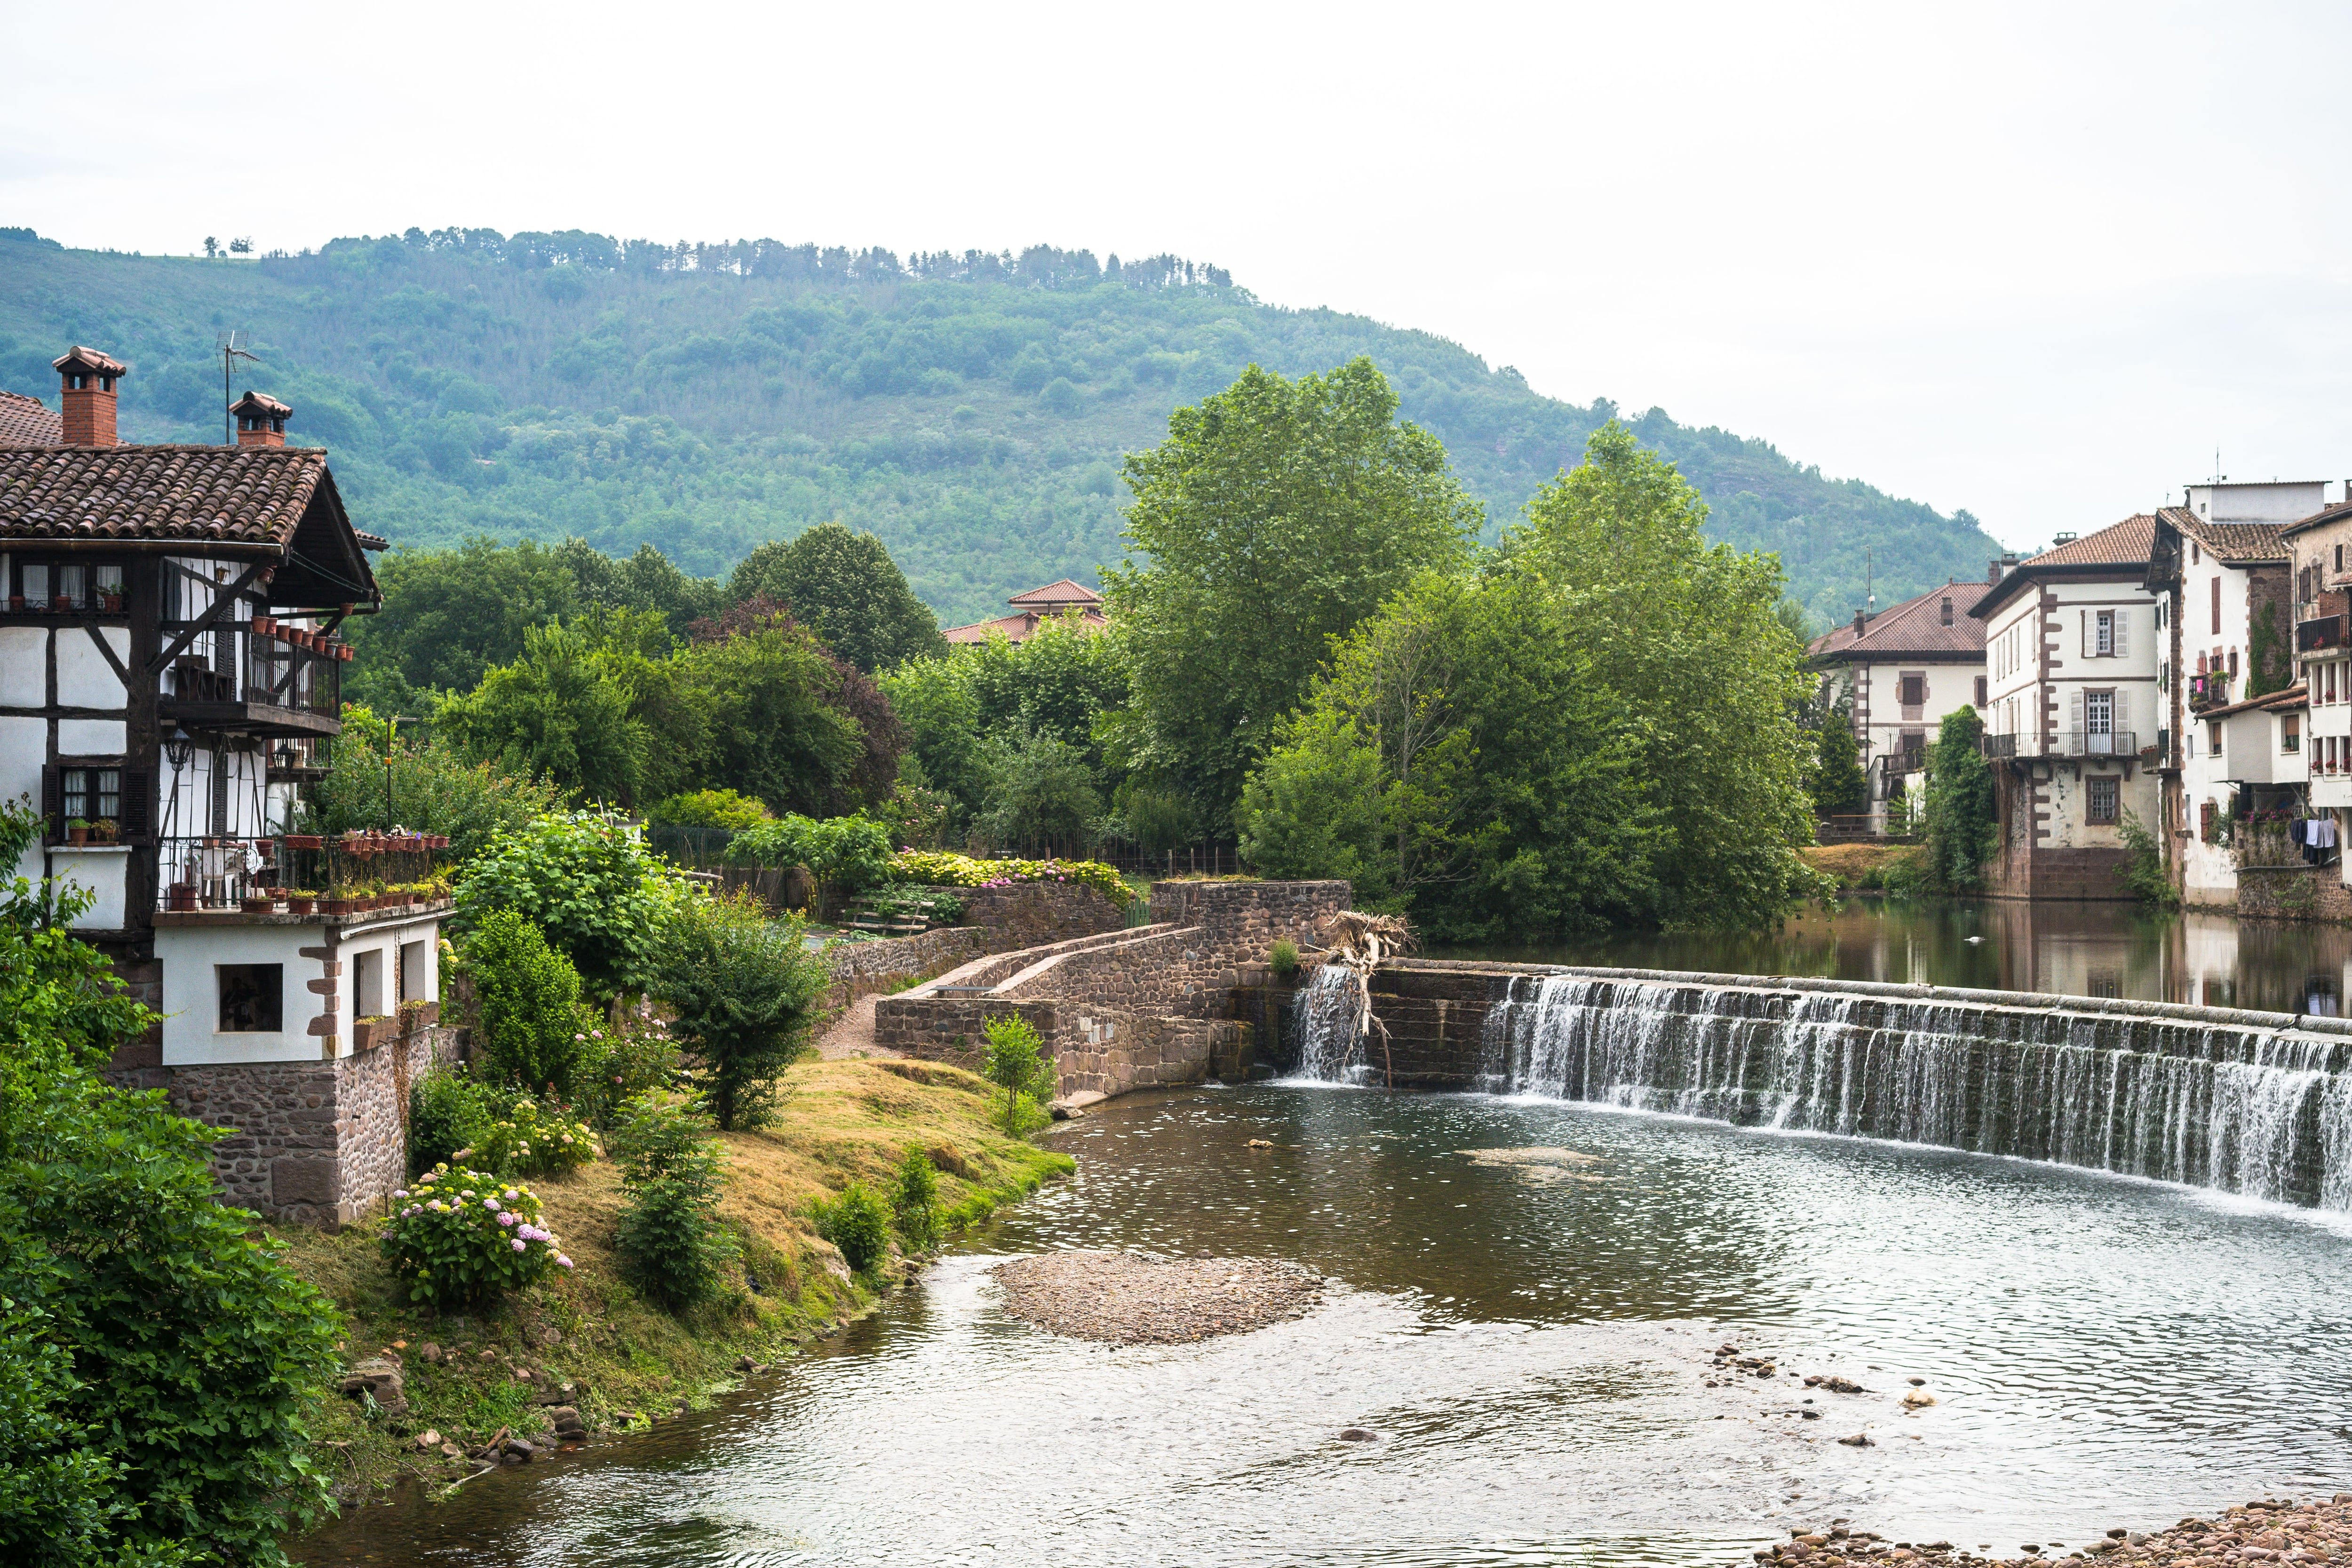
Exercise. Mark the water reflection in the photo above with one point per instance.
(2074, 950)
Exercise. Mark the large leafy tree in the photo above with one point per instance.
(449, 615)
(794, 724)
(1686, 634)
(843, 584)
(153, 1361)
(1963, 825)
(585, 707)
(1462, 762)
(1277, 515)
(1841, 788)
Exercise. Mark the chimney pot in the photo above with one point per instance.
(86, 395)
(260, 420)
(1860, 620)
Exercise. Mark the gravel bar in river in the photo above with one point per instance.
(1124, 1299)
(2268, 1531)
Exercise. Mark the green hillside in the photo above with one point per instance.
(970, 410)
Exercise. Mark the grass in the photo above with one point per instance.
(1858, 865)
(632, 1360)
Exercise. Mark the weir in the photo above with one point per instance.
(2253, 1103)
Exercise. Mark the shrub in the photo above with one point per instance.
(744, 990)
(915, 1202)
(448, 1111)
(463, 1237)
(532, 1139)
(712, 808)
(668, 1236)
(1015, 1065)
(941, 869)
(633, 1058)
(2143, 871)
(533, 1025)
(1283, 958)
(857, 1223)
(844, 854)
(588, 882)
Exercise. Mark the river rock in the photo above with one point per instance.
(1859, 1440)
(1123, 1298)
(379, 1379)
(568, 1424)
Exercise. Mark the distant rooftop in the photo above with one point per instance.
(1035, 606)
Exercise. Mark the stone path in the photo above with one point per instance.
(852, 1033)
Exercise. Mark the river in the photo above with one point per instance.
(1529, 1340)
(2078, 949)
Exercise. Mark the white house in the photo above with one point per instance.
(2071, 655)
(1903, 671)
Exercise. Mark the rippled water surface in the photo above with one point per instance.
(1530, 1343)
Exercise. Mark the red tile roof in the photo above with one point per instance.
(1055, 594)
(2295, 696)
(1913, 629)
(1017, 628)
(28, 422)
(2232, 542)
(90, 361)
(235, 495)
(2122, 545)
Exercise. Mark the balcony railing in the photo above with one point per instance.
(298, 874)
(2096, 744)
(2211, 689)
(2320, 632)
(1999, 746)
(275, 669)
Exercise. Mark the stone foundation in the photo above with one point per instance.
(2294, 893)
(1027, 913)
(310, 1143)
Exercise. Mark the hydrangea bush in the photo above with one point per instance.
(940, 869)
(461, 1237)
(536, 1141)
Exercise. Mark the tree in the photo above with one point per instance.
(586, 881)
(1462, 762)
(154, 1362)
(1276, 516)
(1840, 788)
(1963, 828)
(567, 710)
(846, 586)
(1041, 794)
(449, 615)
(1687, 636)
(377, 777)
(744, 991)
(529, 995)
(804, 731)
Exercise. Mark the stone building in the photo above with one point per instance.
(1901, 673)
(170, 664)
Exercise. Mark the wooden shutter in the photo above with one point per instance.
(2123, 633)
(53, 800)
(2217, 603)
(138, 804)
(2074, 712)
(2090, 637)
(2116, 722)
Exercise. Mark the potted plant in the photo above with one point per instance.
(264, 626)
(106, 830)
(61, 601)
(301, 900)
(76, 830)
(16, 603)
(257, 901)
(338, 902)
(368, 1033)
(418, 1015)
(302, 841)
(181, 896)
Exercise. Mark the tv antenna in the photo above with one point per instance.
(232, 349)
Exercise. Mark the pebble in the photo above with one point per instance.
(1122, 1298)
(2265, 1532)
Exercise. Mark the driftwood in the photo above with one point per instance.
(1357, 943)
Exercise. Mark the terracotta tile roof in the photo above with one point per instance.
(2325, 514)
(235, 495)
(262, 404)
(28, 422)
(91, 361)
(2295, 696)
(2126, 543)
(1062, 593)
(1913, 628)
(1017, 627)
(2232, 542)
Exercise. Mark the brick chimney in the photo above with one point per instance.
(260, 420)
(87, 396)
(1861, 620)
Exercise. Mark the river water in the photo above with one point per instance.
(1528, 1333)
(2079, 950)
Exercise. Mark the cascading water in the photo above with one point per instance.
(2265, 1111)
(1326, 1021)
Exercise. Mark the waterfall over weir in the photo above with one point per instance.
(2251, 1103)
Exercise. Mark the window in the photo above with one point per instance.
(2099, 712)
(33, 584)
(413, 966)
(1947, 611)
(1913, 690)
(2217, 606)
(2291, 732)
(1980, 691)
(252, 998)
(2104, 794)
(93, 793)
(2214, 747)
(2106, 635)
(2339, 558)
(367, 983)
(2233, 664)
(1915, 749)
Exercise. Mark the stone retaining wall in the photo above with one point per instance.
(862, 968)
(312, 1143)
(1027, 913)
(2294, 893)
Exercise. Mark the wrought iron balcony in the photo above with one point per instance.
(2320, 632)
(2097, 744)
(1999, 746)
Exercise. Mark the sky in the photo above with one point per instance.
(2038, 261)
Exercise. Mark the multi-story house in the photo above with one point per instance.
(1900, 673)
(2234, 714)
(169, 657)
(2071, 655)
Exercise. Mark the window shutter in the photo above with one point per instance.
(2217, 605)
(2090, 637)
(2074, 712)
(53, 800)
(2123, 633)
(138, 806)
(2120, 725)
(1924, 698)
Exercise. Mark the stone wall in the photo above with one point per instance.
(1028, 913)
(1108, 1050)
(311, 1142)
(1240, 920)
(948, 1028)
(2294, 893)
(862, 968)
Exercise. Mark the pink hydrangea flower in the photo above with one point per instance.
(507, 1219)
(562, 1261)
(519, 1245)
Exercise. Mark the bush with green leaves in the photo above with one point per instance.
(723, 808)
(844, 854)
(466, 1237)
(533, 1138)
(532, 1025)
(633, 1058)
(448, 1110)
(1015, 1064)
(743, 991)
(669, 1237)
(587, 880)
(857, 1223)
(938, 868)
(1283, 958)
(155, 1361)
(915, 1202)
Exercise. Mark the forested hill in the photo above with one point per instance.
(968, 409)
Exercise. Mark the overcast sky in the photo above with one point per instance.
(2036, 262)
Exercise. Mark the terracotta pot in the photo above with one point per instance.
(336, 909)
(61, 601)
(111, 603)
(302, 841)
(300, 906)
(263, 626)
(17, 603)
(183, 896)
(258, 906)
(76, 836)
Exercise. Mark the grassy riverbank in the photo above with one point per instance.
(632, 1360)
(1862, 866)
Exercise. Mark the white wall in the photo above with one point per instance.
(191, 954)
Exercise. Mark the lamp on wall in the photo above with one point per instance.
(177, 749)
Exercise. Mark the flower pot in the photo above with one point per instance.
(420, 1015)
(111, 603)
(183, 896)
(302, 841)
(61, 601)
(253, 906)
(16, 603)
(76, 836)
(335, 909)
(300, 906)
